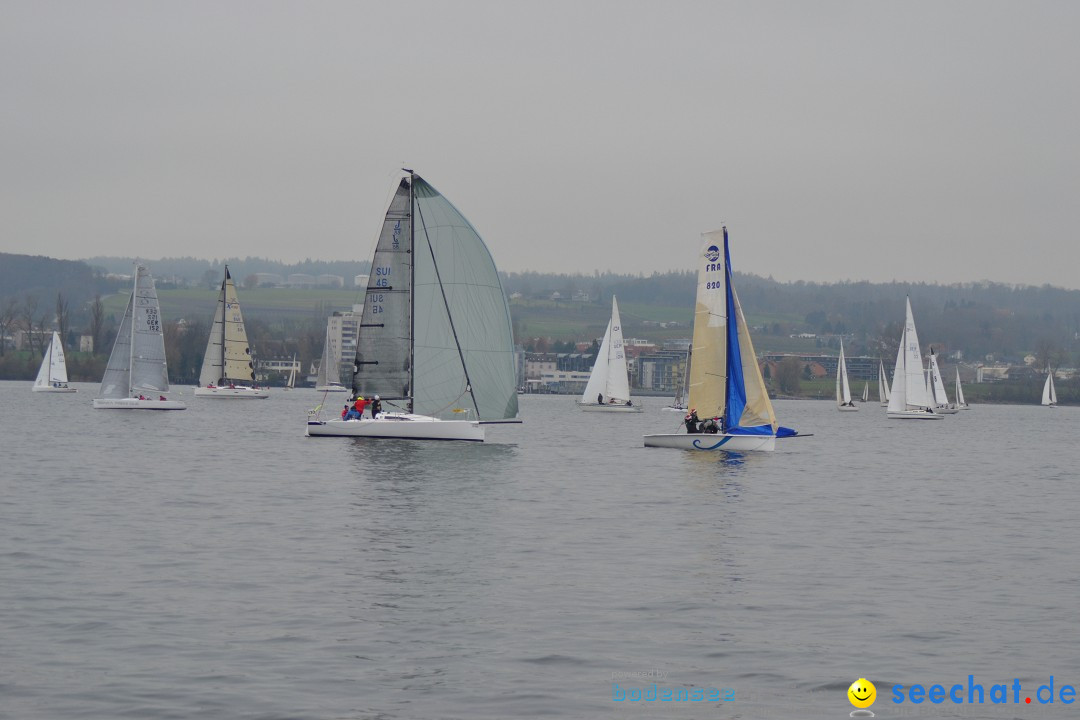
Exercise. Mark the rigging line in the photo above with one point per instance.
(446, 304)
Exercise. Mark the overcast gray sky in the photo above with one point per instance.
(918, 141)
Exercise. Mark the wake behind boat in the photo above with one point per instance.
(435, 336)
(227, 371)
(137, 362)
(608, 389)
(52, 376)
(725, 380)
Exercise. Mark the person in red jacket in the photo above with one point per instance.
(360, 404)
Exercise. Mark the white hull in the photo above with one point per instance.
(913, 415)
(703, 441)
(947, 410)
(51, 389)
(137, 404)
(965, 406)
(331, 388)
(238, 392)
(847, 408)
(672, 408)
(594, 407)
(400, 426)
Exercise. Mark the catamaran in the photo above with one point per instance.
(960, 393)
(227, 371)
(937, 389)
(608, 389)
(52, 375)
(435, 335)
(843, 390)
(909, 399)
(137, 362)
(725, 380)
(1049, 396)
(329, 376)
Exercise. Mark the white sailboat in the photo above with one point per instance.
(1049, 396)
(909, 398)
(725, 381)
(137, 362)
(291, 382)
(329, 377)
(608, 389)
(960, 393)
(843, 391)
(52, 375)
(937, 389)
(866, 391)
(227, 371)
(435, 336)
(882, 385)
(679, 404)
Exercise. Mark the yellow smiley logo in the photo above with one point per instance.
(862, 693)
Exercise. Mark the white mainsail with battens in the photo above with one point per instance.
(937, 389)
(52, 375)
(909, 397)
(960, 393)
(227, 370)
(843, 390)
(137, 363)
(608, 388)
(1049, 395)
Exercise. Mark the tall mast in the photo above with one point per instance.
(131, 340)
(412, 286)
(224, 302)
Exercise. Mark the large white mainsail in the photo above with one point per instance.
(937, 384)
(1049, 395)
(909, 394)
(435, 335)
(883, 384)
(960, 392)
(609, 378)
(137, 362)
(228, 355)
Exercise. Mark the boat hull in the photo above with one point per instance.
(594, 407)
(847, 408)
(331, 388)
(399, 426)
(913, 415)
(234, 393)
(51, 389)
(137, 404)
(949, 410)
(703, 441)
(672, 408)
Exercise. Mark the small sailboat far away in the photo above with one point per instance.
(52, 375)
(227, 371)
(679, 404)
(843, 390)
(866, 391)
(960, 393)
(937, 389)
(608, 389)
(329, 377)
(435, 335)
(137, 362)
(726, 387)
(882, 385)
(1049, 396)
(909, 399)
(291, 382)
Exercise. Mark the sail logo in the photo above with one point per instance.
(712, 254)
(397, 233)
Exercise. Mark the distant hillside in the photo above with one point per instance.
(195, 271)
(40, 277)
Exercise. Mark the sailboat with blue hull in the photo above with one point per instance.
(726, 385)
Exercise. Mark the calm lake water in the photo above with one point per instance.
(216, 563)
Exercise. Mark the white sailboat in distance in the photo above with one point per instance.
(608, 389)
(52, 376)
(882, 385)
(960, 393)
(227, 371)
(435, 336)
(909, 399)
(329, 376)
(844, 402)
(137, 363)
(1049, 395)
